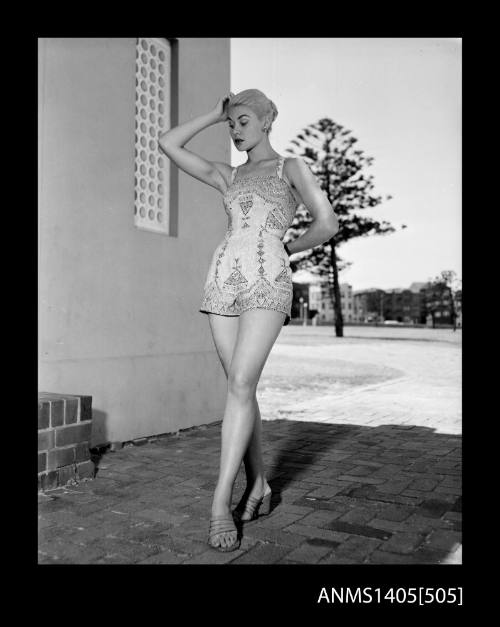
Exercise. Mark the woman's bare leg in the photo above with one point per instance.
(257, 332)
(253, 459)
(225, 331)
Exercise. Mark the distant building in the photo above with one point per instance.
(322, 300)
(458, 307)
(404, 305)
(421, 303)
(438, 304)
(347, 302)
(300, 291)
(304, 283)
(368, 305)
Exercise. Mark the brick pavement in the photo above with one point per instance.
(371, 475)
(150, 504)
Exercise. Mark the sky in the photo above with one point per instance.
(401, 98)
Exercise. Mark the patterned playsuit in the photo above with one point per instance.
(250, 267)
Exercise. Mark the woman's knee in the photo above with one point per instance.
(241, 385)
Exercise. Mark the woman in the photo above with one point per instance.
(248, 290)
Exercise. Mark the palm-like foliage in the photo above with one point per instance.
(340, 169)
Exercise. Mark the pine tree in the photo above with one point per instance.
(340, 169)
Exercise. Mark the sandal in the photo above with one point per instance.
(254, 507)
(219, 525)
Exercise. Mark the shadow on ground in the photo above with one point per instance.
(342, 494)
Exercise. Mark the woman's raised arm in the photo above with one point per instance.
(172, 143)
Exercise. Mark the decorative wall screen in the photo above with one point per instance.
(152, 117)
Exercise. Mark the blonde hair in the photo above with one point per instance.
(258, 102)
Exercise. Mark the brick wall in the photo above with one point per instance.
(64, 431)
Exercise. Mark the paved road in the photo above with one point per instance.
(370, 377)
(362, 442)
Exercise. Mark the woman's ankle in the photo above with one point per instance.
(258, 483)
(220, 507)
(221, 500)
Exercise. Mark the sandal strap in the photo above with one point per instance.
(251, 506)
(253, 501)
(221, 517)
(222, 528)
(221, 524)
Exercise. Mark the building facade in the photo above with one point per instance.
(403, 305)
(125, 239)
(400, 305)
(301, 297)
(368, 305)
(438, 303)
(458, 308)
(322, 300)
(347, 302)
(421, 303)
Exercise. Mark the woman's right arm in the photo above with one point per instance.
(172, 144)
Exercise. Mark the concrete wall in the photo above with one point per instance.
(118, 307)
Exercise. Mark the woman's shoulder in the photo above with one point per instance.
(294, 163)
(294, 167)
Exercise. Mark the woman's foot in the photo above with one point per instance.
(255, 500)
(222, 536)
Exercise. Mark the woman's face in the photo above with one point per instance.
(245, 127)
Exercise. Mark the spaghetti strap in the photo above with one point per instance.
(279, 168)
(233, 174)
